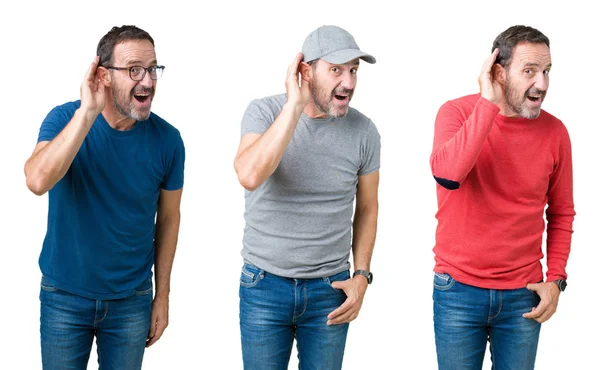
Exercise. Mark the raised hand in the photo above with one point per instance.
(298, 89)
(93, 91)
(489, 87)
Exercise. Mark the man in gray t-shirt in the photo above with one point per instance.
(304, 157)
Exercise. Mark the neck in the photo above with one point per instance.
(117, 120)
(312, 111)
(505, 109)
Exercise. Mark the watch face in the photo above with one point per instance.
(370, 277)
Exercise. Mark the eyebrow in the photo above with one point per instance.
(139, 62)
(357, 62)
(531, 64)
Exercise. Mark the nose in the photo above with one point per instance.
(542, 81)
(146, 81)
(348, 80)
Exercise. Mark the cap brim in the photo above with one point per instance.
(346, 55)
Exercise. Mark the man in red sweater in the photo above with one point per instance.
(499, 160)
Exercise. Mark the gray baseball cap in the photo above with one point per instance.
(334, 45)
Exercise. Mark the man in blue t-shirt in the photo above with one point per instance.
(111, 168)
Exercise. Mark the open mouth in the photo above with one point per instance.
(534, 98)
(341, 98)
(142, 97)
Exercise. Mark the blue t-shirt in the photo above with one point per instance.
(101, 214)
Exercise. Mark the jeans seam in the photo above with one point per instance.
(48, 288)
(142, 292)
(249, 274)
(96, 322)
(442, 276)
(445, 287)
(256, 280)
(490, 316)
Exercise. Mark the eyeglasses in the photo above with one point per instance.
(137, 73)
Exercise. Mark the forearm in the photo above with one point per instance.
(457, 144)
(48, 165)
(165, 244)
(560, 212)
(558, 244)
(364, 233)
(259, 160)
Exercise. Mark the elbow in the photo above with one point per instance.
(442, 181)
(35, 181)
(249, 182)
(35, 185)
(248, 179)
(448, 184)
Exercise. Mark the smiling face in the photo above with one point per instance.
(526, 80)
(332, 87)
(132, 99)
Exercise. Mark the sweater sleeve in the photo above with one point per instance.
(458, 140)
(560, 212)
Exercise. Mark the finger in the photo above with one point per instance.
(90, 75)
(152, 331)
(341, 310)
(537, 312)
(339, 284)
(487, 65)
(293, 68)
(347, 317)
(160, 329)
(533, 287)
(547, 315)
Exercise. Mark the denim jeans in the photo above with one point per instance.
(274, 310)
(466, 318)
(68, 324)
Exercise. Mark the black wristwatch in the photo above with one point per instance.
(364, 273)
(561, 283)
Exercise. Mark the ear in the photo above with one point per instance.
(306, 71)
(104, 76)
(499, 73)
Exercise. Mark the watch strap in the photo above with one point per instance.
(365, 273)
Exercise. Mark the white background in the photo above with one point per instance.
(218, 58)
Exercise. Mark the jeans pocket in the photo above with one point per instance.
(251, 275)
(340, 276)
(47, 286)
(145, 288)
(442, 281)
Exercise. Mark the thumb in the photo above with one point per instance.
(339, 284)
(533, 287)
(152, 331)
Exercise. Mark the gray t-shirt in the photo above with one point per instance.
(299, 221)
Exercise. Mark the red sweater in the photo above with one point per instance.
(495, 176)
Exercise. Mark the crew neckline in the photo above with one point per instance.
(317, 120)
(118, 133)
(519, 119)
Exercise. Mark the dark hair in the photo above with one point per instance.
(117, 35)
(507, 40)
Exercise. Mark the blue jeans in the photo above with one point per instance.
(274, 310)
(466, 317)
(68, 324)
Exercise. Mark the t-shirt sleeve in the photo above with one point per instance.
(54, 123)
(257, 118)
(370, 151)
(173, 179)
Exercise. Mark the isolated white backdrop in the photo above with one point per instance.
(221, 55)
